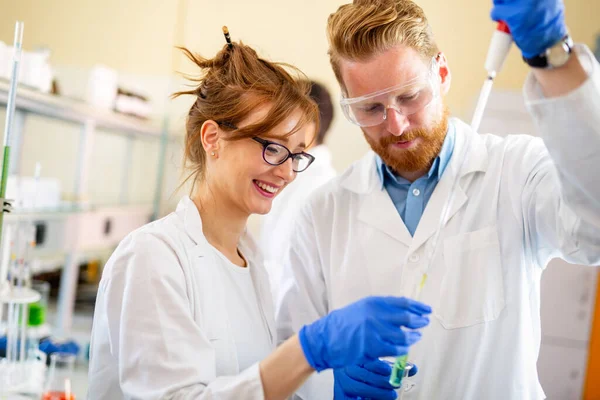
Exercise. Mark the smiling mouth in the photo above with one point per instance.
(266, 189)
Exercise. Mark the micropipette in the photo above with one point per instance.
(497, 52)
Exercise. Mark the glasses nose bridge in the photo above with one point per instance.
(286, 169)
(392, 107)
(390, 104)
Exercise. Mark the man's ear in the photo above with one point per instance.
(444, 73)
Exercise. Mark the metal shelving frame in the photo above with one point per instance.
(32, 102)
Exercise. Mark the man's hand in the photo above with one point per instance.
(535, 25)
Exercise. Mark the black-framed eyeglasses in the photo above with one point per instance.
(277, 154)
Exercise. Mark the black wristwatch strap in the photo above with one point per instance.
(541, 61)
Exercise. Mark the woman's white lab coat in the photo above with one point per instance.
(520, 201)
(161, 330)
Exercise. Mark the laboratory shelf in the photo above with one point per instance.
(72, 110)
(73, 208)
(76, 228)
(82, 228)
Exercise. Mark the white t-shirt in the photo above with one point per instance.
(250, 333)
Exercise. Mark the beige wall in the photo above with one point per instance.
(132, 36)
(138, 36)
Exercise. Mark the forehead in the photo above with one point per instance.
(261, 112)
(395, 66)
(282, 130)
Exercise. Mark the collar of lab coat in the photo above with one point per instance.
(193, 226)
(187, 210)
(191, 219)
(377, 210)
(362, 178)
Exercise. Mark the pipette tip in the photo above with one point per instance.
(19, 27)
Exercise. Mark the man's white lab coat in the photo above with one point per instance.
(520, 201)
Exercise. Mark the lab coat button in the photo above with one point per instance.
(414, 258)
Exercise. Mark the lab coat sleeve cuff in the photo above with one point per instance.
(532, 90)
(570, 127)
(569, 123)
(253, 387)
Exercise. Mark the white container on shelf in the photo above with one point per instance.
(102, 87)
(35, 70)
(27, 194)
(96, 86)
(103, 227)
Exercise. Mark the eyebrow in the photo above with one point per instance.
(286, 140)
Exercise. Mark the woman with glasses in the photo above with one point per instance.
(184, 309)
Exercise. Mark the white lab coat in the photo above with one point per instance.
(161, 329)
(520, 201)
(277, 226)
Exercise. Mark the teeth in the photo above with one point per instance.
(268, 188)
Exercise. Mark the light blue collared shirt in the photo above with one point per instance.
(410, 199)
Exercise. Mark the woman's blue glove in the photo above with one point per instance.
(363, 331)
(370, 380)
(535, 25)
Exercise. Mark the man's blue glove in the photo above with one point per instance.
(363, 331)
(370, 380)
(535, 25)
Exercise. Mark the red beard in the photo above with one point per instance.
(416, 158)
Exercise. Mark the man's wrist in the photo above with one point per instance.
(555, 56)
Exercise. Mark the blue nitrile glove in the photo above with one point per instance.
(370, 380)
(50, 346)
(535, 25)
(363, 331)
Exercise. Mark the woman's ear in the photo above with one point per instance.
(209, 134)
(444, 72)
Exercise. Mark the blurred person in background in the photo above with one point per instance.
(277, 226)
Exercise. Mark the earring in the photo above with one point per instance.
(212, 154)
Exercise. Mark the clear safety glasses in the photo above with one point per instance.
(407, 98)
